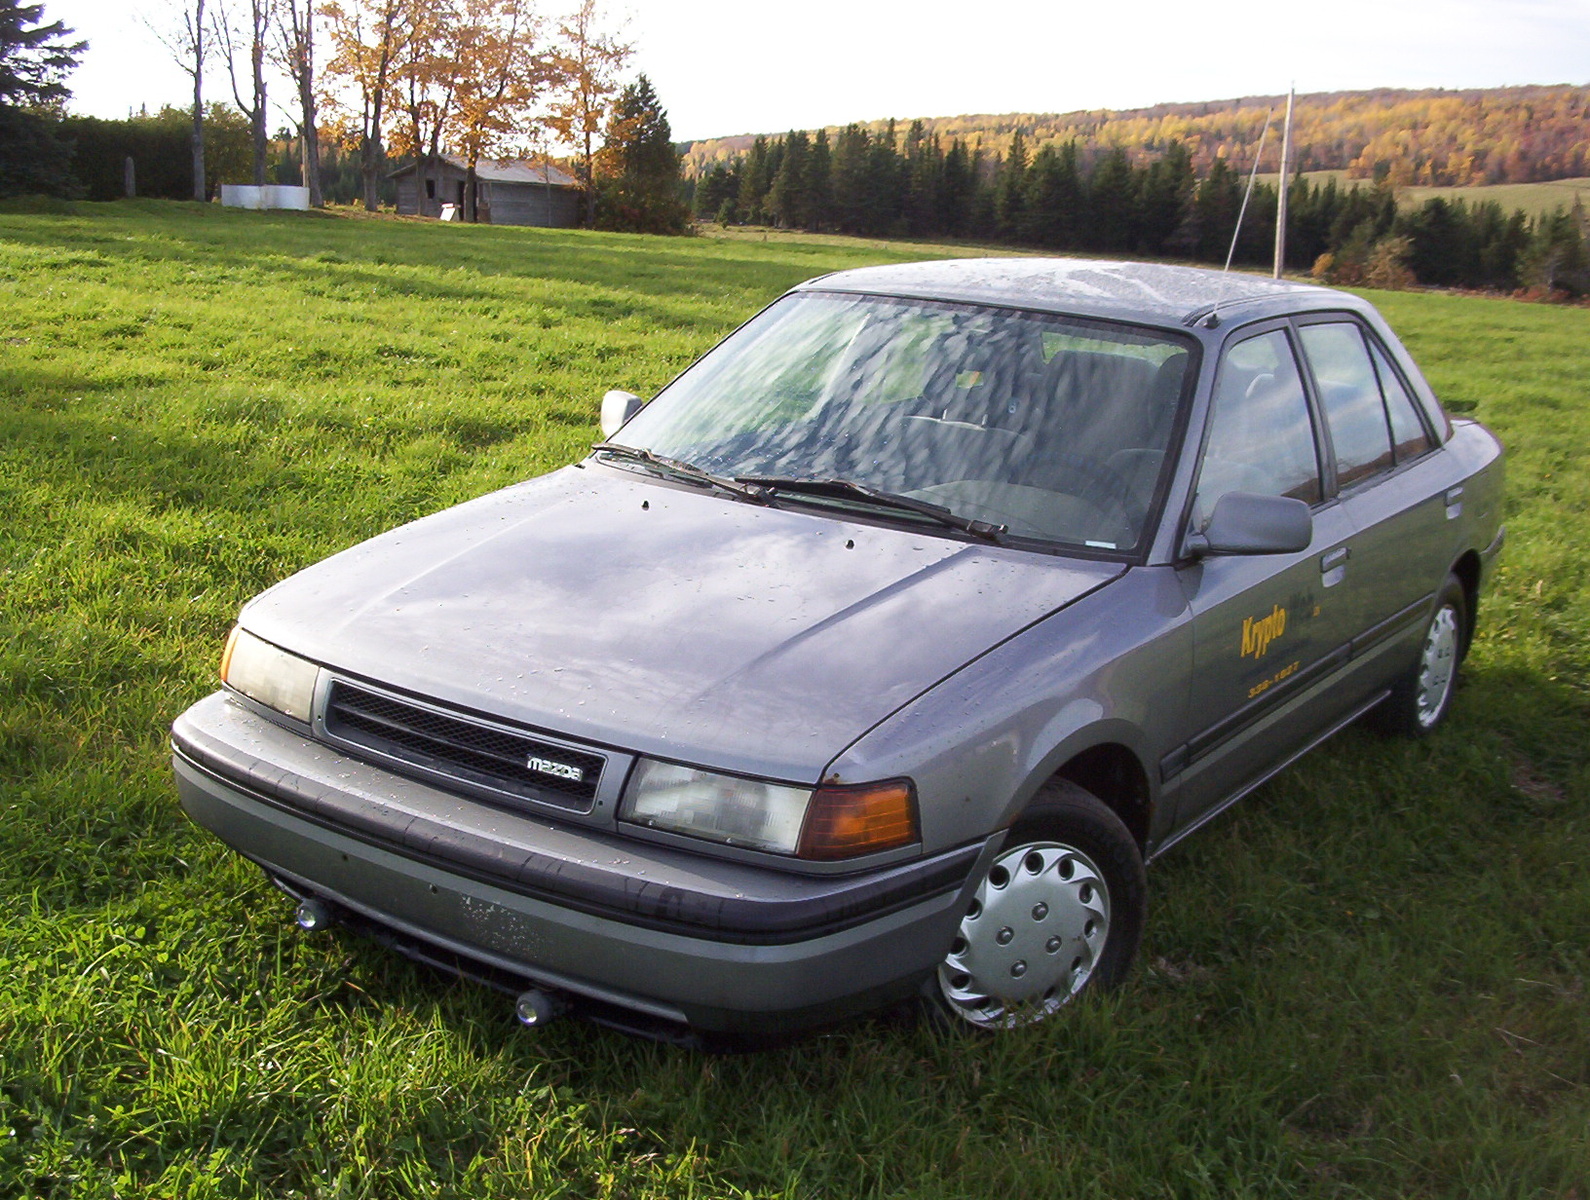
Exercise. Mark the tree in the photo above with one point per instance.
(637, 168)
(787, 203)
(587, 63)
(186, 37)
(1009, 188)
(367, 39)
(295, 32)
(496, 77)
(235, 40)
(35, 59)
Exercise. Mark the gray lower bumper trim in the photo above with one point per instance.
(829, 905)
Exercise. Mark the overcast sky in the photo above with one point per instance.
(733, 66)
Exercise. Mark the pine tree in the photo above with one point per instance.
(1111, 202)
(819, 187)
(787, 205)
(34, 61)
(637, 167)
(1163, 195)
(1009, 186)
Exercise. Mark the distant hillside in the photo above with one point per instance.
(1428, 138)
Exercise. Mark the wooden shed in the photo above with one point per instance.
(516, 193)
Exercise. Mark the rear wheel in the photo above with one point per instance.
(1422, 696)
(1059, 910)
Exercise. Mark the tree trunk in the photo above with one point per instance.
(308, 130)
(309, 144)
(590, 183)
(200, 192)
(369, 169)
(257, 115)
(471, 193)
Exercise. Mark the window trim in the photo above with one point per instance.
(1371, 343)
(1325, 466)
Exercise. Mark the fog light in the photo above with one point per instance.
(537, 1007)
(312, 915)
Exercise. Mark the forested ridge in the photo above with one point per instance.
(1435, 137)
(890, 184)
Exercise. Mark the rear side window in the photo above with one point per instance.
(1408, 434)
(1260, 436)
(1350, 395)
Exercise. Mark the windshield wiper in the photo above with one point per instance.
(684, 470)
(849, 489)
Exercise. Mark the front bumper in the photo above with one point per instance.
(680, 938)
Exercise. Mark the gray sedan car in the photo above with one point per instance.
(872, 659)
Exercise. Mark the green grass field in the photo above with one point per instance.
(1368, 980)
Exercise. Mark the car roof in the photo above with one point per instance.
(1155, 293)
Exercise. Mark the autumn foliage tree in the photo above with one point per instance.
(369, 38)
(496, 80)
(585, 64)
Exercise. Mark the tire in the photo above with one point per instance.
(1060, 910)
(1422, 695)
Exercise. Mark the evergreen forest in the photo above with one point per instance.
(1066, 198)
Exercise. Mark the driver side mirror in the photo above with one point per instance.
(1248, 523)
(618, 407)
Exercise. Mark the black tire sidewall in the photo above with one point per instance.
(1399, 712)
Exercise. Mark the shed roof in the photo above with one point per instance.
(542, 174)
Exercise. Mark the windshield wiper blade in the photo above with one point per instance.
(673, 466)
(845, 489)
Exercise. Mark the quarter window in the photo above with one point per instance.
(1260, 436)
(1408, 434)
(1350, 396)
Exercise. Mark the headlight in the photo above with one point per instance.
(725, 808)
(275, 678)
(830, 823)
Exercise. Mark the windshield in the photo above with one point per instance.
(1053, 427)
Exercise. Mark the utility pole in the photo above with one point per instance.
(1280, 212)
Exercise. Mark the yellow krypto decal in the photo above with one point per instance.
(1258, 634)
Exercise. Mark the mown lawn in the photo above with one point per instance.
(1368, 980)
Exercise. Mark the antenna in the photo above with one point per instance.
(1213, 318)
(1248, 194)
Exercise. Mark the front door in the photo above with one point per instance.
(1270, 632)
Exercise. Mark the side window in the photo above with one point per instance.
(1408, 434)
(1350, 396)
(1260, 436)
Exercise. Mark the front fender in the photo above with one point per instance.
(1113, 667)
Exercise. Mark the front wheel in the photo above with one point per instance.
(1422, 696)
(1060, 909)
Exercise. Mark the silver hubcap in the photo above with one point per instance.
(1030, 938)
(1437, 665)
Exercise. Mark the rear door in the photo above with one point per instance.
(1392, 483)
(1269, 630)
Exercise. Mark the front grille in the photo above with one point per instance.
(464, 749)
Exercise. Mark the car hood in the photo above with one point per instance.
(601, 605)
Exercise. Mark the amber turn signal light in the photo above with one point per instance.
(844, 822)
(226, 655)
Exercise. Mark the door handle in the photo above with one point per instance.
(1454, 502)
(1333, 565)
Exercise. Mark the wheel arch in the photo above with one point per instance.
(1468, 571)
(1114, 773)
